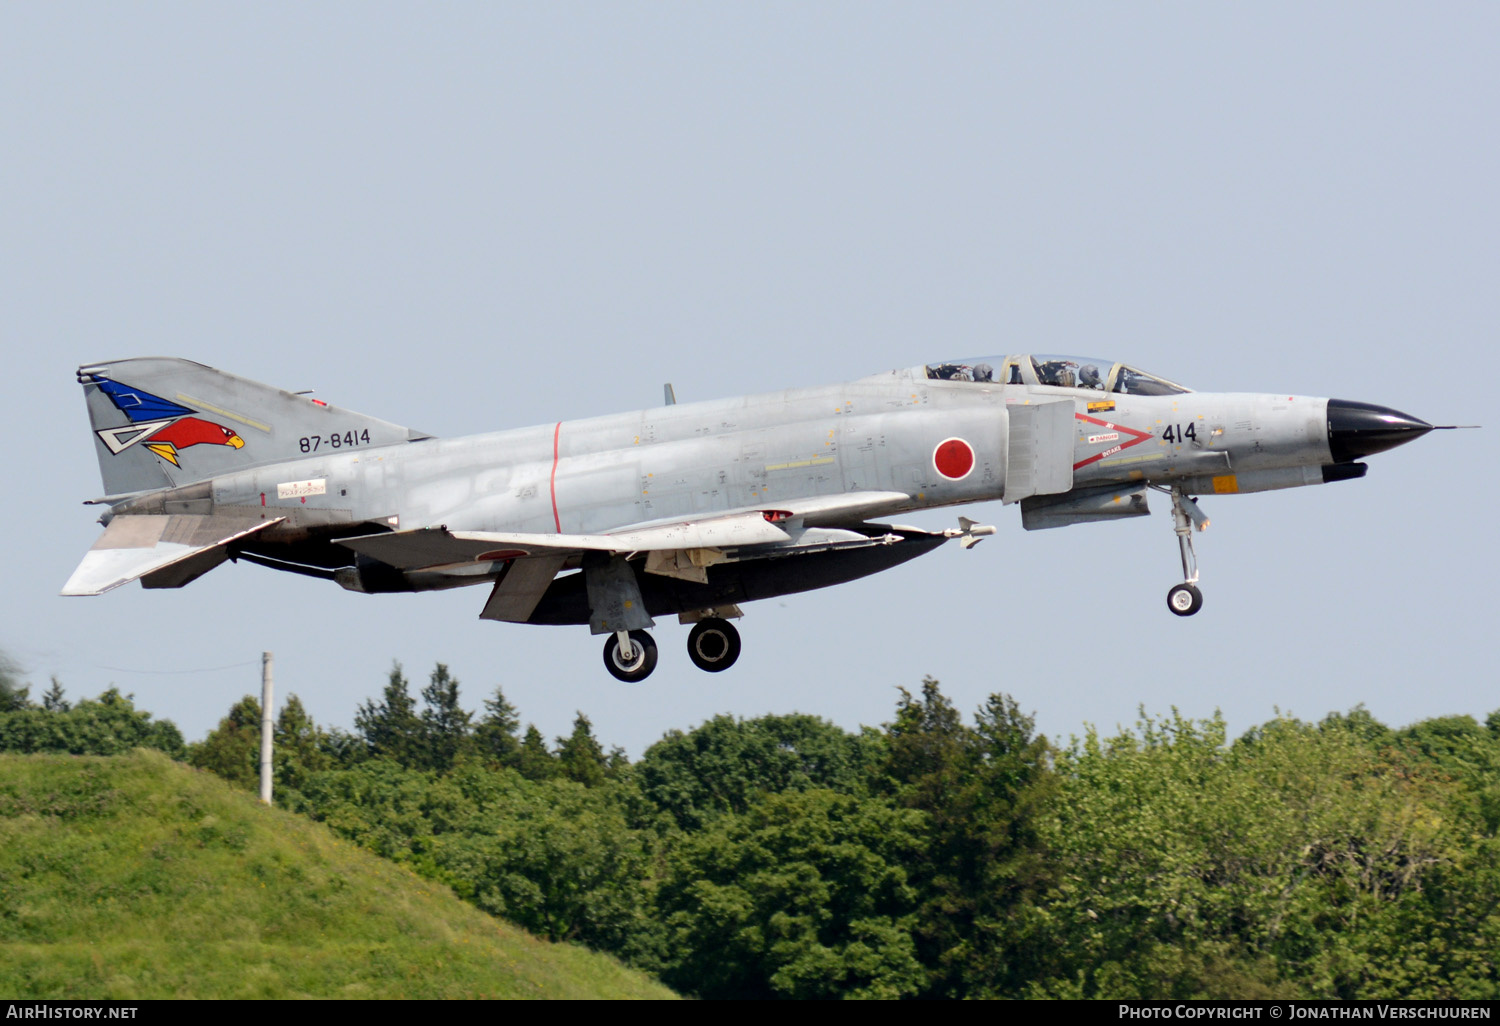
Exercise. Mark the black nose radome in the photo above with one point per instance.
(1361, 429)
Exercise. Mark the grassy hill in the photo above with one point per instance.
(136, 877)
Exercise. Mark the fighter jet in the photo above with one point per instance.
(690, 509)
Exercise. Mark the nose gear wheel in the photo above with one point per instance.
(1185, 599)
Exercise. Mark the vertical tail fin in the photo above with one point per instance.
(161, 422)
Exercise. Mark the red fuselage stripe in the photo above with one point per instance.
(556, 520)
(1140, 436)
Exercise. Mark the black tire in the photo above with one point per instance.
(631, 671)
(1185, 599)
(713, 644)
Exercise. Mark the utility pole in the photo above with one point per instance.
(265, 727)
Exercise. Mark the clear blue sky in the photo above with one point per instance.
(466, 217)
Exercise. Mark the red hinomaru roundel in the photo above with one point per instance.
(953, 458)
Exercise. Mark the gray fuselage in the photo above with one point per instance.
(876, 434)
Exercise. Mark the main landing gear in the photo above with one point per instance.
(713, 645)
(1185, 599)
(630, 655)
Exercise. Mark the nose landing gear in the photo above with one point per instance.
(1185, 599)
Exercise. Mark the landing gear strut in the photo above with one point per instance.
(1185, 599)
(713, 644)
(630, 655)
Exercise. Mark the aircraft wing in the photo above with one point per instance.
(162, 551)
(529, 561)
(437, 548)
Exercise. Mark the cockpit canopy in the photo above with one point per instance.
(1057, 371)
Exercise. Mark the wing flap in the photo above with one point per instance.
(167, 551)
(426, 548)
(415, 549)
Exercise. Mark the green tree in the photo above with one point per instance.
(107, 725)
(342, 748)
(445, 726)
(617, 762)
(983, 870)
(804, 895)
(554, 857)
(232, 749)
(1301, 861)
(1467, 751)
(391, 728)
(300, 747)
(535, 761)
(725, 763)
(928, 747)
(53, 700)
(378, 803)
(559, 859)
(495, 736)
(580, 757)
(13, 695)
(1360, 723)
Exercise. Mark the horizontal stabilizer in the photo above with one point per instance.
(167, 551)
